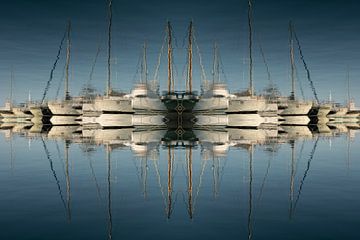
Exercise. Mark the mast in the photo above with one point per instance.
(108, 159)
(216, 65)
(144, 172)
(170, 183)
(108, 85)
(66, 89)
(251, 86)
(190, 184)
(348, 86)
(68, 192)
(292, 178)
(216, 166)
(144, 66)
(169, 40)
(292, 61)
(190, 57)
(250, 228)
(11, 86)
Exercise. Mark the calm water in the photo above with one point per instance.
(252, 184)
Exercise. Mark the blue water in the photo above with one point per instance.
(232, 196)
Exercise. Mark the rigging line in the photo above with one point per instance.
(264, 179)
(265, 62)
(94, 178)
(299, 157)
(60, 82)
(200, 183)
(54, 66)
(222, 67)
(59, 154)
(306, 173)
(137, 68)
(94, 63)
(159, 181)
(48, 156)
(138, 170)
(305, 66)
(299, 82)
(203, 73)
(156, 74)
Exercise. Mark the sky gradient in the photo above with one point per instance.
(32, 30)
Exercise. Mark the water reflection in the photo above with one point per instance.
(180, 168)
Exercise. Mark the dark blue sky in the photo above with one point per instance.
(32, 29)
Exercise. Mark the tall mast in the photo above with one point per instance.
(348, 85)
(216, 65)
(170, 183)
(190, 56)
(108, 159)
(292, 61)
(11, 85)
(144, 66)
(67, 176)
(169, 40)
(108, 85)
(292, 178)
(251, 86)
(250, 228)
(190, 184)
(66, 88)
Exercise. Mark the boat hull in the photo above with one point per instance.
(113, 105)
(294, 108)
(246, 105)
(64, 108)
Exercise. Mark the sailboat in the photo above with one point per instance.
(293, 111)
(6, 112)
(66, 112)
(215, 97)
(345, 114)
(180, 102)
(22, 111)
(144, 98)
(247, 102)
(112, 101)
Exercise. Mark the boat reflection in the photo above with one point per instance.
(213, 144)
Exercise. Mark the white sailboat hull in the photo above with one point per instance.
(232, 120)
(211, 120)
(113, 104)
(149, 104)
(63, 108)
(64, 120)
(20, 113)
(295, 120)
(296, 108)
(245, 120)
(296, 132)
(246, 104)
(128, 120)
(212, 104)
